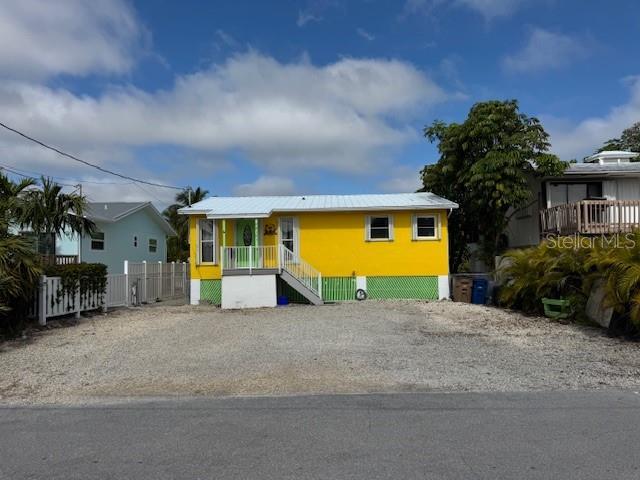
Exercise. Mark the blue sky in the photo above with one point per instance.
(310, 96)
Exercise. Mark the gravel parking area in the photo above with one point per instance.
(351, 347)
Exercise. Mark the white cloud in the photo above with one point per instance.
(489, 9)
(402, 180)
(77, 37)
(266, 185)
(293, 115)
(364, 34)
(305, 17)
(546, 50)
(227, 39)
(571, 140)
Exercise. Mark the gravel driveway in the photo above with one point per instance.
(351, 347)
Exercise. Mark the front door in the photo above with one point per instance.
(289, 234)
(247, 255)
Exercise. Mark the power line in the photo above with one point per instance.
(31, 172)
(93, 165)
(3, 167)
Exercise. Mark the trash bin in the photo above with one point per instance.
(283, 300)
(479, 292)
(462, 289)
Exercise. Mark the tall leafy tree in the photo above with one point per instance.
(178, 246)
(629, 140)
(486, 165)
(49, 212)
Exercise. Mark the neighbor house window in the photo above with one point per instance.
(379, 228)
(207, 251)
(153, 245)
(426, 227)
(97, 241)
(135, 242)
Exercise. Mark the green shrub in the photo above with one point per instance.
(19, 273)
(550, 271)
(619, 267)
(90, 278)
(544, 271)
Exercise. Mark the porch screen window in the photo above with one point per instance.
(207, 241)
(379, 228)
(97, 241)
(425, 227)
(286, 233)
(153, 245)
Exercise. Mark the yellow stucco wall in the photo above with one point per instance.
(334, 243)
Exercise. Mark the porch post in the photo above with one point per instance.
(255, 223)
(257, 255)
(224, 232)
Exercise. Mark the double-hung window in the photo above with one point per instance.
(379, 228)
(207, 247)
(97, 241)
(426, 227)
(153, 245)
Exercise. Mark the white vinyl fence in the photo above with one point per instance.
(141, 283)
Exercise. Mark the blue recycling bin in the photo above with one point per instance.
(479, 291)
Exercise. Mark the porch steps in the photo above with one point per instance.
(300, 287)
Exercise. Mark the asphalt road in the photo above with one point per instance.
(564, 435)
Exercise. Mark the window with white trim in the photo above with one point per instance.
(426, 227)
(288, 233)
(379, 228)
(153, 245)
(97, 241)
(207, 236)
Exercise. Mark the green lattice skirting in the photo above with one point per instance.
(413, 288)
(211, 291)
(337, 289)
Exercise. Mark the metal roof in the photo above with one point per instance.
(110, 212)
(252, 207)
(602, 168)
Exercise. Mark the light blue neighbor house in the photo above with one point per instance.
(133, 231)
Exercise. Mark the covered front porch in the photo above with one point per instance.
(262, 247)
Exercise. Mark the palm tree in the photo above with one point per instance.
(49, 212)
(19, 268)
(10, 194)
(178, 246)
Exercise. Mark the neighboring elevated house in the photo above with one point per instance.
(245, 251)
(598, 196)
(133, 231)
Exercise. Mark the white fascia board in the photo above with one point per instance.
(215, 216)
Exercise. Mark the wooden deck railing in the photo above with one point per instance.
(591, 217)
(59, 259)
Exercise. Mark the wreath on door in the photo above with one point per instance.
(247, 236)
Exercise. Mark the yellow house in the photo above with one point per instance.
(251, 251)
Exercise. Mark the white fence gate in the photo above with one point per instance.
(141, 283)
(152, 281)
